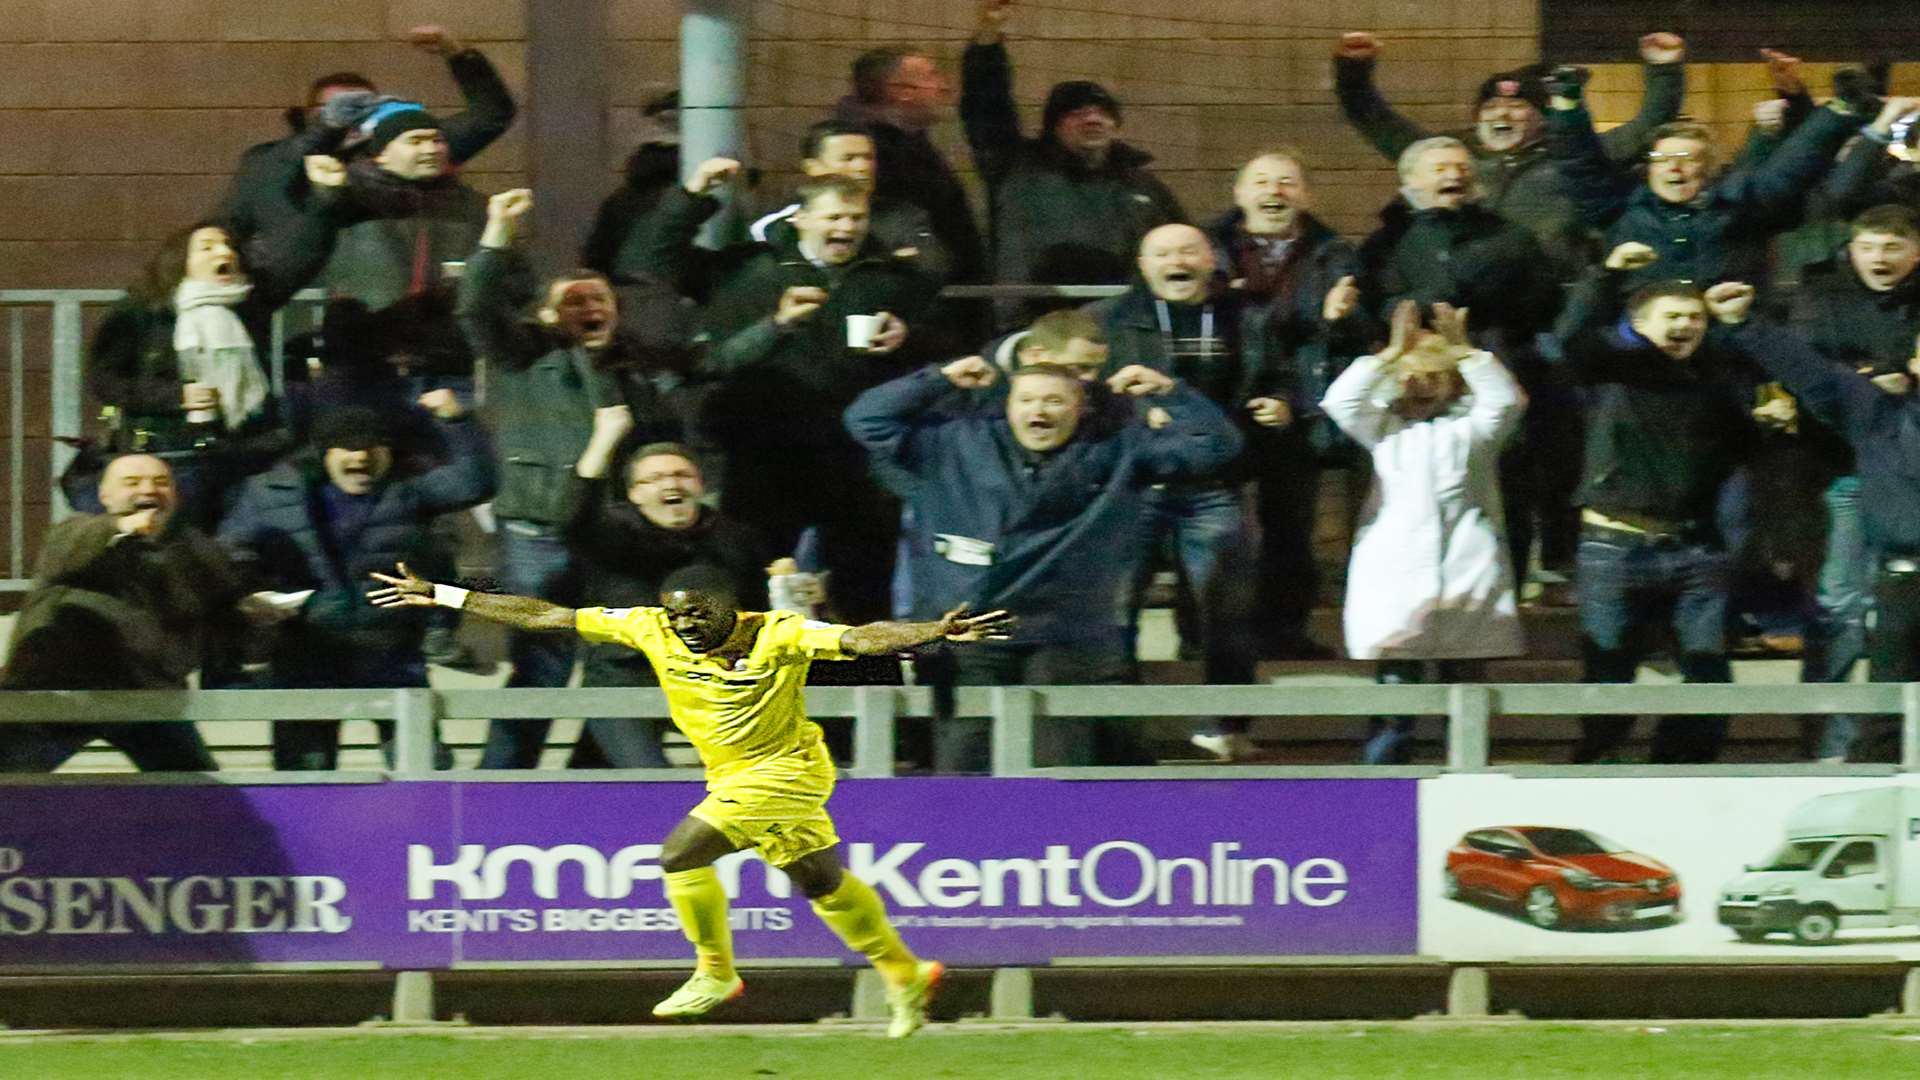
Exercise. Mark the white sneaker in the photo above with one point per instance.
(699, 996)
(1233, 746)
(909, 1003)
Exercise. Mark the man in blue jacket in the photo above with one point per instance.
(1034, 508)
(324, 522)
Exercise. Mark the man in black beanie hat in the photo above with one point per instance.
(1071, 206)
(1517, 178)
(323, 520)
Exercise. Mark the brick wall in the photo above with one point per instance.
(119, 118)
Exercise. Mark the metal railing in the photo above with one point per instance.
(1016, 712)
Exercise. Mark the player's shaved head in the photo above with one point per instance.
(699, 601)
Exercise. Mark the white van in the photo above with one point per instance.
(1851, 860)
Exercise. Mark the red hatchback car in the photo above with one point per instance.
(1562, 877)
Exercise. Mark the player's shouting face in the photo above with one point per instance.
(701, 620)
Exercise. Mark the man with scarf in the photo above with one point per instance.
(1071, 206)
(177, 365)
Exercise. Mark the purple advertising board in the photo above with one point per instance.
(421, 875)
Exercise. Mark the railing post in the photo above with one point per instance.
(874, 709)
(67, 335)
(1468, 992)
(1910, 727)
(1010, 997)
(416, 714)
(869, 996)
(1469, 716)
(413, 997)
(1012, 731)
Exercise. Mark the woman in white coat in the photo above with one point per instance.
(1430, 579)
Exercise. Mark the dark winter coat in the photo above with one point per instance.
(271, 180)
(1053, 537)
(1304, 353)
(1722, 235)
(780, 388)
(1853, 327)
(280, 529)
(1521, 184)
(1472, 258)
(543, 390)
(1882, 428)
(1662, 434)
(113, 612)
(1056, 219)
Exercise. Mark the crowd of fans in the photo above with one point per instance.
(1587, 357)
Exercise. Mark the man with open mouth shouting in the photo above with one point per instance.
(785, 328)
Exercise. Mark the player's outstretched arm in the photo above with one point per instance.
(408, 589)
(886, 638)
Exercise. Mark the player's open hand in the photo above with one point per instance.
(406, 590)
(958, 625)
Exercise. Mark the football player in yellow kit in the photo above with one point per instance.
(733, 682)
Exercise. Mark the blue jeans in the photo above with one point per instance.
(1845, 597)
(1390, 738)
(534, 561)
(1208, 529)
(1629, 586)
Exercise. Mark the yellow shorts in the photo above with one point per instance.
(777, 806)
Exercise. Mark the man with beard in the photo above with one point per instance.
(778, 348)
(1506, 143)
(124, 600)
(550, 373)
(1303, 278)
(1036, 506)
(1071, 206)
(1439, 244)
(265, 185)
(324, 520)
(1859, 313)
(1667, 423)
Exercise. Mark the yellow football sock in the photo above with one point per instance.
(701, 903)
(854, 912)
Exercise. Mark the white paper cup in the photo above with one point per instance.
(453, 269)
(862, 329)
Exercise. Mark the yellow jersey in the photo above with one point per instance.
(742, 702)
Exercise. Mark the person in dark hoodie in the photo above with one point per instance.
(1304, 278)
(786, 362)
(323, 521)
(1668, 422)
(1860, 313)
(1035, 506)
(631, 525)
(1507, 142)
(549, 374)
(652, 170)
(1879, 417)
(266, 183)
(1071, 206)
